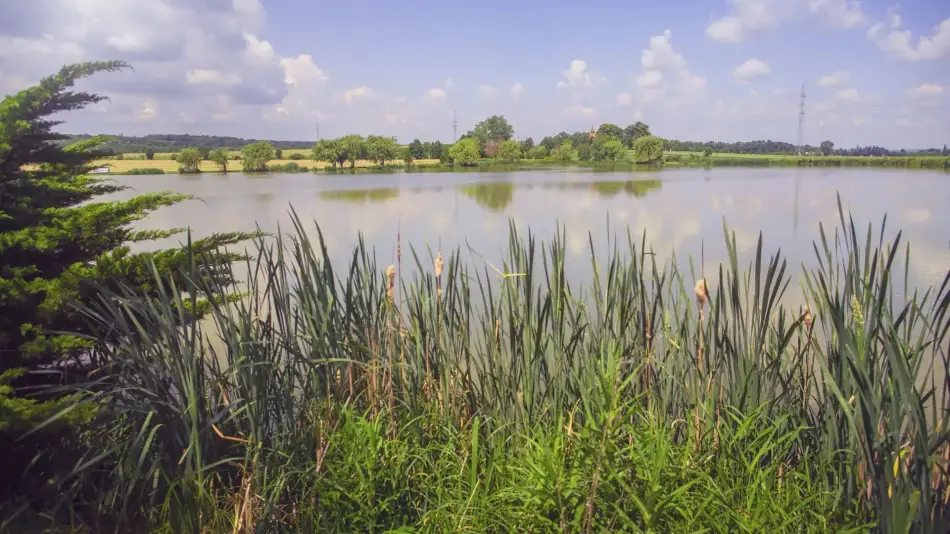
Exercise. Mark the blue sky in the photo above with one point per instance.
(875, 72)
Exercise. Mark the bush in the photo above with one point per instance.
(297, 156)
(291, 167)
(648, 149)
(146, 170)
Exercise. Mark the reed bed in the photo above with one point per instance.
(447, 394)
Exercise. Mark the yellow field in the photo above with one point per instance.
(170, 166)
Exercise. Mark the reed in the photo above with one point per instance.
(460, 396)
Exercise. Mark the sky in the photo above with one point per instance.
(874, 71)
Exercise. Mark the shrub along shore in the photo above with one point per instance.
(347, 398)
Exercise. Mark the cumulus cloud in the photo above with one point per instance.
(516, 90)
(579, 76)
(926, 90)
(212, 77)
(624, 99)
(358, 93)
(751, 69)
(899, 43)
(664, 74)
(835, 79)
(436, 93)
(748, 17)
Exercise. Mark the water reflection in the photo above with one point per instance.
(638, 188)
(494, 196)
(361, 196)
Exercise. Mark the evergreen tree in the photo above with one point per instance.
(59, 247)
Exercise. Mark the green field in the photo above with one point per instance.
(727, 159)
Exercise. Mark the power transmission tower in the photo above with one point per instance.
(455, 127)
(801, 123)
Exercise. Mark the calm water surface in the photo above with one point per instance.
(681, 210)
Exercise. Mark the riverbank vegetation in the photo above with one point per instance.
(447, 393)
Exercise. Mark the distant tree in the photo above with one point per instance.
(539, 152)
(490, 149)
(354, 148)
(120, 156)
(495, 128)
(613, 150)
(149, 154)
(381, 149)
(279, 154)
(407, 158)
(527, 145)
(220, 157)
(648, 149)
(329, 151)
(297, 156)
(707, 152)
(465, 152)
(611, 130)
(565, 152)
(189, 160)
(436, 150)
(510, 151)
(417, 148)
(946, 151)
(254, 157)
(204, 151)
(633, 132)
(427, 149)
(827, 147)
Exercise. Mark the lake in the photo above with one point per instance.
(681, 210)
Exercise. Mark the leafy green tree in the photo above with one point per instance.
(527, 145)
(427, 149)
(407, 158)
(381, 149)
(707, 152)
(648, 149)
(539, 152)
(60, 245)
(633, 132)
(827, 147)
(612, 150)
(510, 151)
(465, 152)
(609, 130)
(354, 148)
(329, 151)
(254, 157)
(189, 160)
(279, 154)
(495, 128)
(220, 157)
(435, 152)
(149, 154)
(565, 152)
(417, 148)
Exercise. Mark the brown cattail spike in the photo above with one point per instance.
(391, 277)
(702, 292)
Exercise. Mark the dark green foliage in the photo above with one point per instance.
(254, 157)
(291, 166)
(278, 154)
(165, 143)
(59, 247)
(189, 160)
(149, 154)
(146, 170)
(297, 156)
(416, 149)
(436, 151)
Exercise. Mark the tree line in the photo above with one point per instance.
(170, 143)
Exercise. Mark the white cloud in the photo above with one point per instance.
(436, 93)
(258, 52)
(661, 55)
(926, 90)
(848, 95)
(487, 91)
(211, 77)
(650, 79)
(148, 110)
(301, 69)
(747, 17)
(898, 42)
(578, 111)
(358, 93)
(578, 76)
(516, 90)
(624, 99)
(752, 69)
(835, 79)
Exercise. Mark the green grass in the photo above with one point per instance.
(464, 395)
(726, 159)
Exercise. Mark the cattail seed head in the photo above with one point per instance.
(807, 318)
(438, 265)
(391, 276)
(702, 292)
